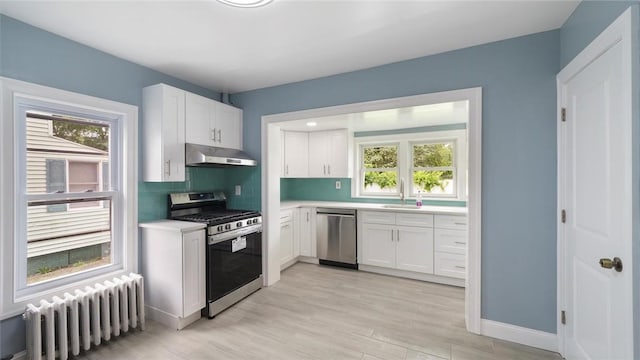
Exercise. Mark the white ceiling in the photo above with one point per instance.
(231, 49)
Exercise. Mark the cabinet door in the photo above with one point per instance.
(200, 117)
(162, 133)
(228, 125)
(337, 156)
(193, 272)
(286, 242)
(296, 154)
(306, 248)
(173, 136)
(378, 245)
(414, 249)
(317, 154)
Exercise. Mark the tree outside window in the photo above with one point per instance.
(380, 168)
(433, 168)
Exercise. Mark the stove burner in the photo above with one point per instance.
(218, 217)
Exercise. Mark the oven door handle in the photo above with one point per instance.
(234, 234)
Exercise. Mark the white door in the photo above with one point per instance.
(414, 249)
(595, 162)
(378, 245)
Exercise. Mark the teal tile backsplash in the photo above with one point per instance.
(153, 203)
(325, 190)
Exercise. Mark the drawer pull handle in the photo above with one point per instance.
(460, 243)
(460, 223)
(460, 267)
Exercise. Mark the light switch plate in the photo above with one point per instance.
(338, 185)
(238, 190)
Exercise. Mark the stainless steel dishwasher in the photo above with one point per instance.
(336, 237)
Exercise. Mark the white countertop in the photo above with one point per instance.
(175, 225)
(445, 210)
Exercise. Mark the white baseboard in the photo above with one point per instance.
(530, 337)
(22, 355)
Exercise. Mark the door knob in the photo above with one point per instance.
(616, 263)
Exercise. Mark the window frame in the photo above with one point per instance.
(16, 97)
(364, 170)
(405, 163)
(453, 168)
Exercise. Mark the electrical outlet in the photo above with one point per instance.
(238, 190)
(338, 185)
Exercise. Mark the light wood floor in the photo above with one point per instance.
(318, 312)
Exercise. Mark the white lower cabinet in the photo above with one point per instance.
(378, 246)
(407, 248)
(414, 249)
(287, 252)
(306, 227)
(173, 255)
(451, 239)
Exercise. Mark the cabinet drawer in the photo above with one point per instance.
(374, 217)
(423, 220)
(451, 222)
(285, 216)
(452, 265)
(451, 241)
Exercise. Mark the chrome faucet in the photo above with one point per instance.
(402, 191)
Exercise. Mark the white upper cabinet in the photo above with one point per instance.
(329, 154)
(209, 122)
(228, 124)
(321, 154)
(163, 133)
(295, 154)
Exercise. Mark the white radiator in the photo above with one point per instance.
(87, 316)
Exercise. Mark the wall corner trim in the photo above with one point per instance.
(530, 337)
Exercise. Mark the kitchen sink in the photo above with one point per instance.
(400, 206)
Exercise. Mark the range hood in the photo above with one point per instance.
(202, 155)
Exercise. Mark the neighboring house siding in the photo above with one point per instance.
(50, 229)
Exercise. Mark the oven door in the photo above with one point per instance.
(233, 263)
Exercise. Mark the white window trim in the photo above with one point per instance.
(12, 93)
(459, 137)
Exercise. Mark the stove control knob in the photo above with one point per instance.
(219, 228)
(255, 221)
(227, 227)
(239, 224)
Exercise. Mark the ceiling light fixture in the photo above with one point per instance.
(246, 3)
(312, 123)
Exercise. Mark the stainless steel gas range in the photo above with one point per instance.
(234, 246)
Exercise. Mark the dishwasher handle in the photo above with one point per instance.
(336, 212)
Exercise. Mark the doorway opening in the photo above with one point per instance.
(272, 169)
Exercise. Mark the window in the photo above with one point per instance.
(73, 200)
(434, 161)
(380, 169)
(433, 168)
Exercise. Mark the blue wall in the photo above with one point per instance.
(585, 23)
(588, 20)
(519, 154)
(31, 54)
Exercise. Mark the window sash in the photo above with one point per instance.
(23, 199)
(364, 170)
